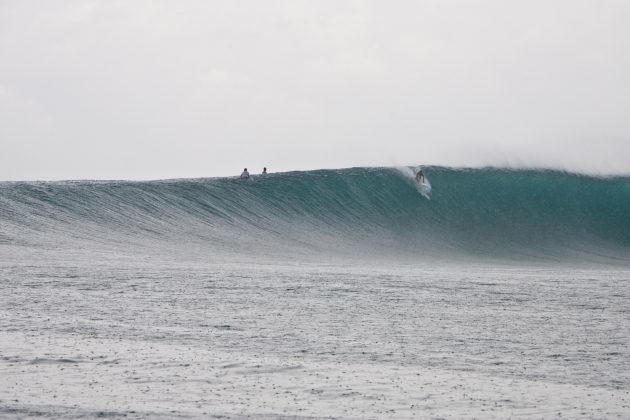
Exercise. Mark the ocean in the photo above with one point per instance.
(321, 294)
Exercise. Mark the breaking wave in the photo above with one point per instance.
(360, 212)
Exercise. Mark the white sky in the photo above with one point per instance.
(160, 89)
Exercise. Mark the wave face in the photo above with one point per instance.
(361, 212)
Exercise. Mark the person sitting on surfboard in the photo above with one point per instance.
(244, 174)
(264, 171)
(420, 177)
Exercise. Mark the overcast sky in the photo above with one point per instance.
(162, 89)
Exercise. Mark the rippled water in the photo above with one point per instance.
(147, 337)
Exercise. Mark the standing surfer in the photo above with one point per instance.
(420, 177)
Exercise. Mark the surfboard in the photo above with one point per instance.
(425, 188)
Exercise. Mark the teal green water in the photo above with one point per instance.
(490, 213)
(323, 294)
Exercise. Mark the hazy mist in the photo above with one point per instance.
(160, 89)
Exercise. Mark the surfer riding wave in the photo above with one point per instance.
(420, 179)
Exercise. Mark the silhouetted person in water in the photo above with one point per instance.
(244, 174)
(420, 177)
(264, 171)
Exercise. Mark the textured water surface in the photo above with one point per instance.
(325, 294)
(123, 338)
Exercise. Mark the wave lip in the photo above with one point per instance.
(540, 215)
